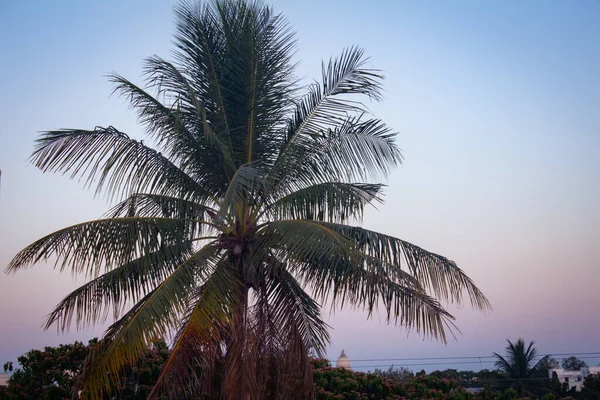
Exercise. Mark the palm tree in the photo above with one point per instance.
(518, 365)
(232, 233)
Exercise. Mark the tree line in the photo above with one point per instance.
(52, 373)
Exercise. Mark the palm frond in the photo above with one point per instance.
(538, 364)
(356, 150)
(246, 187)
(167, 79)
(155, 205)
(436, 273)
(505, 366)
(200, 52)
(295, 312)
(115, 289)
(339, 273)
(330, 201)
(151, 318)
(327, 106)
(238, 58)
(88, 247)
(305, 240)
(271, 44)
(167, 125)
(300, 329)
(119, 164)
(196, 352)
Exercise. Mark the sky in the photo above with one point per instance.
(497, 109)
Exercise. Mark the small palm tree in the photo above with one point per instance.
(244, 208)
(519, 365)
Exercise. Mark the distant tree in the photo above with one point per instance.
(489, 375)
(447, 374)
(47, 374)
(549, 363)
(573, 363)
(8, 367)
(396, 374)
(51, 373)
(467, 375)
(518, 364)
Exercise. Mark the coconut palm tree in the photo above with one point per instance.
(236, 218)
(519, 365)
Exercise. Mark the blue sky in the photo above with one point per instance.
(496, 104)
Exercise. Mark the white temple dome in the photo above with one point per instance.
(343, 361)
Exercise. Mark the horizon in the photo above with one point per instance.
(496, 105)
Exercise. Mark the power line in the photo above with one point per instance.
(595, 354)
(420, 364)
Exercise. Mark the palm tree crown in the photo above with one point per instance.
(519, 362)
(219, 234)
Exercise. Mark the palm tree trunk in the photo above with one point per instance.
(240, 374)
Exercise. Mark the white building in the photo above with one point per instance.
(3, 380)
(343, 361)
(574, 379)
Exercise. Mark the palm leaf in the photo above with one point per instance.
(151, 318)
(326, 106)
(357, 150)
(330, 201)
(167, 79)
(339, 273)
(115, 289)
(504, 365)
(440, 275)
(88, 247)
(120, 165)
(295, 311)
(167, 125)
(154, 205)
(299, 326)
(200, 51)
(204, 328)
(305, 240)
(343, 76)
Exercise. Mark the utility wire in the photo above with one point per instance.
(595, 354)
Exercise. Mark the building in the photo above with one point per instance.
(574, 379)
(3, 380)
(343, 361)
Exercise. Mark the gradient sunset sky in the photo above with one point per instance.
(498, 109)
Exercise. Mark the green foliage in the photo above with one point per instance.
(48, 373)
(395, 374)
(52, 373)
(339, 383)
(518, 365)
(573, 363)
(447, 374)
(591, 387)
